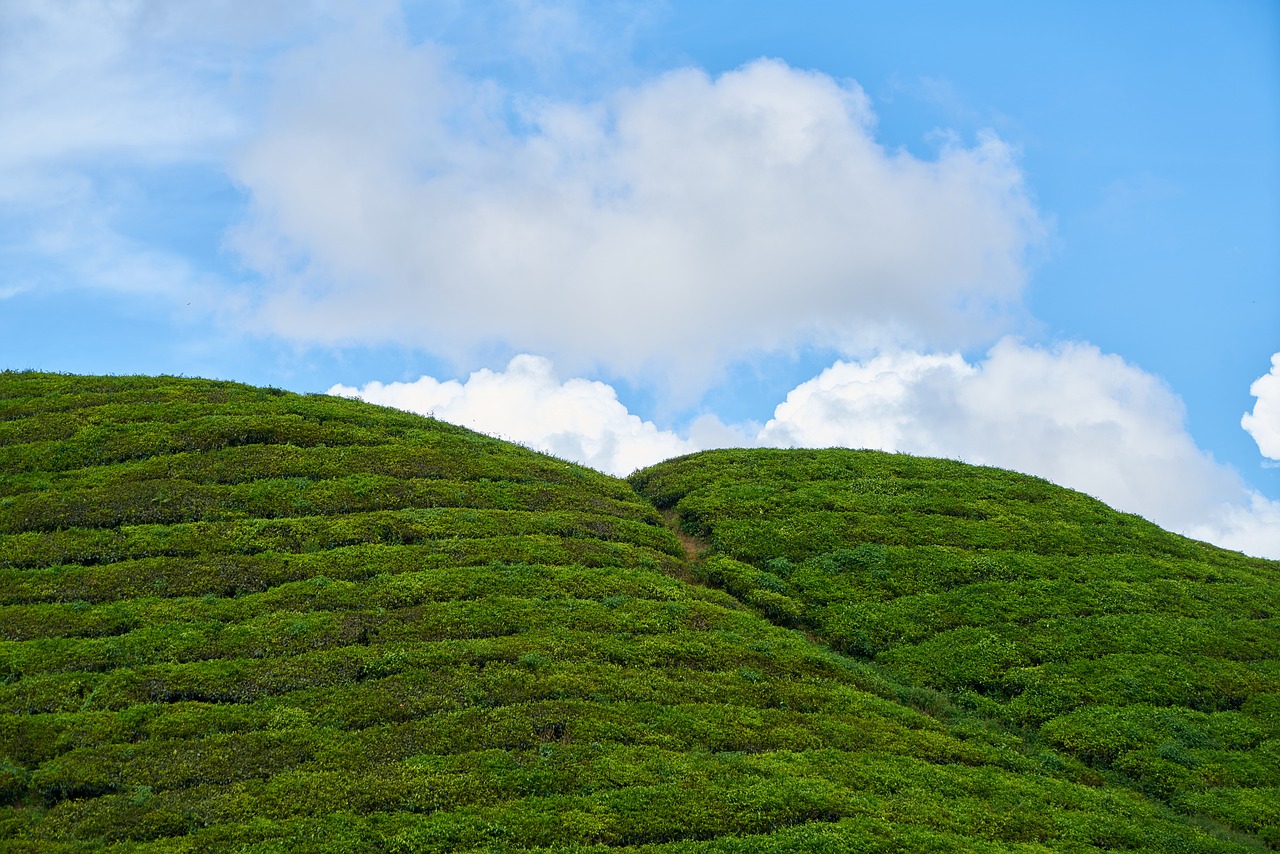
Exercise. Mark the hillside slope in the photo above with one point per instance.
(1149, 657)
(239, 619)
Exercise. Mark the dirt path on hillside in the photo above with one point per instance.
(693, 547)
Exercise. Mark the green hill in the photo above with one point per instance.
(237, 619)
(1150, 658)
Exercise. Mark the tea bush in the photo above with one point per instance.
(246, 620)
(1131, 650)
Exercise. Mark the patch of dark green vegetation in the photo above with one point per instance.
(1148, 658)
(236, 619)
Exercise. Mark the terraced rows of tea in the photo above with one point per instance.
(236, 619)
(1151, 659)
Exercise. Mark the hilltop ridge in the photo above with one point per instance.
(241, 619)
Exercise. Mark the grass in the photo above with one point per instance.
(239, 619)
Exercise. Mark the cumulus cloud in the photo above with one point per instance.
(661, 229)
(1072, 415)
(1250, 525)
(576, 419)
(1263, 424)
(678, 223)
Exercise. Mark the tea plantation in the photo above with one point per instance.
(237, 619)
(1150, 659)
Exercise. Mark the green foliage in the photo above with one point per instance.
(1134, 654)
(240, 619)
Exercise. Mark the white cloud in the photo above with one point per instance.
(1250, 525)
(669, 226)
(99, 99)
(88, 79)
(1074, 415)
(1263, 423)
(577, 419)
(661, 230)
(92, 96)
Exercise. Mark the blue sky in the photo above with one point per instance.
(1041, 236)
